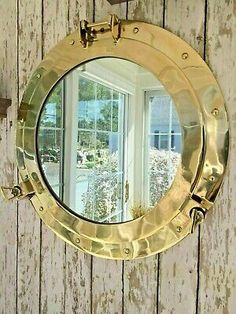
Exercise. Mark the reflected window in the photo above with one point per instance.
(164, 144)
(100, 149)
(109, 144)
(50, 139)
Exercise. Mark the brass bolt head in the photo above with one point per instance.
(215, 112)
(126, 250)
(212, 178)
(136, 30)
(41, 209)
(38, 76)
(72, 42)
(77, 240)
(179, 229)
(184, 55)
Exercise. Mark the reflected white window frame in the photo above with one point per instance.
(59, 187)
(169, 134)
(71, 126)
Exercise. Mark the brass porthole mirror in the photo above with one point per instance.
(122, 139)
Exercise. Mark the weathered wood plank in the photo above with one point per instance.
(178, 265)
(147, 11)
(106, 286)
(55, 26)
(78, 264)
(140, 285)
(141, 276)
(79, 10)
(107, 274)
(8, 211)
(218, 237)
(30, 40)
(103, 8)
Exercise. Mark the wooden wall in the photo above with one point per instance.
(39, 273)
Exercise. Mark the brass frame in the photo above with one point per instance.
(205, 130)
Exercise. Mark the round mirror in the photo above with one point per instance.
(109, 140)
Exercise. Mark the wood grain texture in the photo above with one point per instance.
(140, 285)
(107, 287)
(147, 11)
(217, 293)
(179, 265)
(79, 10)
(8, 212)
(103, 8)
(29, 56)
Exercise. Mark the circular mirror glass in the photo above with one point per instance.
(109, 140)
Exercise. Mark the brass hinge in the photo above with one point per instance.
(18, 192)
(88, 31)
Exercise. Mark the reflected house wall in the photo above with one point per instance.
(39, 273)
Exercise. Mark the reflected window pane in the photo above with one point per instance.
(86, 114)
(86, 89)
(103, 115)
(50, 139)
(164, 146)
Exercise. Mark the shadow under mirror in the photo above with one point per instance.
(109, 140)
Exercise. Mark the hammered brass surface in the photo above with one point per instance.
(205, 130)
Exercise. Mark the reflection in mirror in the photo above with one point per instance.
(109, 140)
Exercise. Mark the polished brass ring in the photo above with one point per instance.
(205, 129)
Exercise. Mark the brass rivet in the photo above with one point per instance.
(72, 42)
(212, 178)
(179, 229)
(77, 240)
(136, 30)
(41, 209)
(215, 112)
(126, 250)
(184, 55)
(38, 75)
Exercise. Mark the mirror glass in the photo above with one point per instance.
(109, 140)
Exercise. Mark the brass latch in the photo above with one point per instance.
(88, 31)
(18, 191)
(198, 213)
